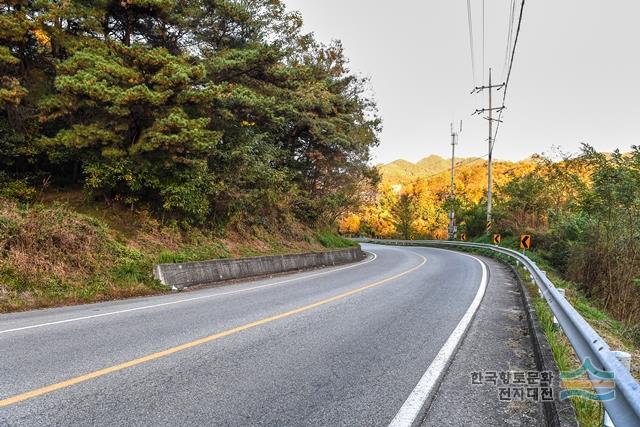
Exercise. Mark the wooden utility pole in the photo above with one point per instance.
(490, 118)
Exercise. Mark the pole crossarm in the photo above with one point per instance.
(479, 89)
(484, 110)
(493, 120)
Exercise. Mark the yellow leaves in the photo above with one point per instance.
(431, 222)
(428, 193)
(421, 226)
(379, 220)
(11, 91)
(350, 224)
(248, 124)
(43, 39)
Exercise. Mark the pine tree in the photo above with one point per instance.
(198, 109)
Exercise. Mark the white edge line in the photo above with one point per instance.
(164, 304)
(412, 408)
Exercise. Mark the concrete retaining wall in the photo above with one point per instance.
(207, 272)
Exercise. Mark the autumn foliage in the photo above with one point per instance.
(583, 211)
(416, 207)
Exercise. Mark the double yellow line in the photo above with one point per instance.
(154, 356)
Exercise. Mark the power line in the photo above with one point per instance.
(483, 39)
(506, 85)
(513, 53)
(512, 13)
(509, 57)
(473, 56)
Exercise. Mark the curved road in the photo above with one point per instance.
(338, 346)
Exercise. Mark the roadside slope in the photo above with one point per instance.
(54, 253)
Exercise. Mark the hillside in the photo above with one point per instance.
(66, 249)
(419, 192)
(403, 171)
(432, 175)
(140, 132)
(582, 212)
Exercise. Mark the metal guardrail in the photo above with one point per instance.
(624, 410)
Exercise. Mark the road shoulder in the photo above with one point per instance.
(497, 341)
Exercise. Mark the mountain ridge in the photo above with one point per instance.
(402, 171)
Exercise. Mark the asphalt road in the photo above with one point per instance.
(339, 346)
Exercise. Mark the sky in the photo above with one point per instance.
(575, 77)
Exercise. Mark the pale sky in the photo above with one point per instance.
(576, 74)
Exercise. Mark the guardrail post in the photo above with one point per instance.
(540, 294)
(625, 359)
(562, 292)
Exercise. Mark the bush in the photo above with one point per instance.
(475, 219)
(331, 240)
(18, 190)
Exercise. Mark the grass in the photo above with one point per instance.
(588, 413)
(331, 240)
(54, 253)
(215, 250)
(616, 333)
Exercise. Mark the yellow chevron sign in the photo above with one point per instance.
(525, 241)
(497, 239)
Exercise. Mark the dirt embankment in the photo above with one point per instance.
(68, 251)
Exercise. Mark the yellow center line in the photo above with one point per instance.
(154, 356)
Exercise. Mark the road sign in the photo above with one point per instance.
(497, 239)
(463, 237)
(489, 225)
(525, 241)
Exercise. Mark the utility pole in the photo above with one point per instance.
(490, 161)
(490, 118)
(453, 230)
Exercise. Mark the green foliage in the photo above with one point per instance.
(17, 189)
(605, 254)
(331, 240)
(51, 254)
(588, 413)
(203, 111)
(585, 215)
(474, 219)
(403, 210)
